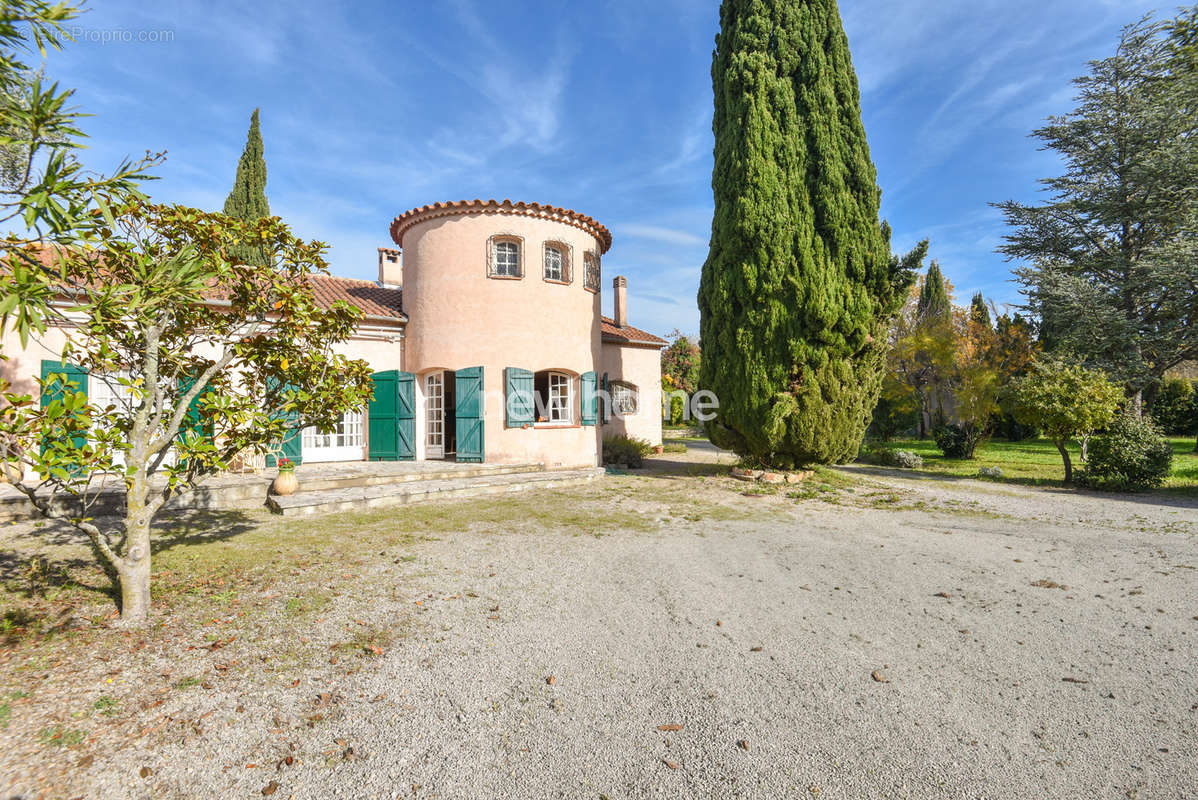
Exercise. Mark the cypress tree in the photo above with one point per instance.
(248, 199)
(799, 285)
(979, 312)
(933, 295)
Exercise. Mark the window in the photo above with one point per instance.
(591, 276)
(503, 257)
(557, 262)
(554, 398)
(625, 399)
(347, 433)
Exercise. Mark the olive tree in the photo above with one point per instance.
(209, 359)
(1065, 401)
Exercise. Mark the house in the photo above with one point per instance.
(487, 342)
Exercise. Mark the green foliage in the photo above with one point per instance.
(215, 359)
(1174, 406)
(44, 188)
(680, 363)
(891, 457)
(625, 451)
(895, 413)
(979, 312)
(247, 201)
(1064, 401)
(798, 286)
(1111, 260)
(954, 441)
(934, 302)
(1130, 455)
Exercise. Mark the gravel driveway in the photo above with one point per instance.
(924, 639)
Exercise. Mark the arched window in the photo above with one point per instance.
(554, 397)
(625, 399)
(557, 262)
(503, 257)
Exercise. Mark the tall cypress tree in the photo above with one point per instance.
(248, 199)
(933, 295)
(798, 285)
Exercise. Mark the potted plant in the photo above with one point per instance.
(285, 483)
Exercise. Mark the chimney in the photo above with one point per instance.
(620, 304)
(390, 268)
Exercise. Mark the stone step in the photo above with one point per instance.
(315, 479)
(364, 498)
(232, 491)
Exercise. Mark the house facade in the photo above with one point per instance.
(485, 334)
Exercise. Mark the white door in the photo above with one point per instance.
(434, 415)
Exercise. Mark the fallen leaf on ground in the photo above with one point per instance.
(754, 649)
(145, 772)
(669, 727)
(743, 744)
(550, 680)
(270, 788)
(879, 677)
(945, 595)
(670, 764)
(1069, 679)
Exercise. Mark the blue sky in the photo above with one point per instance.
(369, 109)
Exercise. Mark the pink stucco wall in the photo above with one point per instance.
(459, 317)
(640, 366)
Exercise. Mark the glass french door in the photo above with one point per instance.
(434, 415)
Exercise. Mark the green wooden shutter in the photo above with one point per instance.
(382, 427)
(605, 399)
(590, 398)
(76, 378)
(405, 416)
(192, 420)
(519, 399)
(292, 446)
(468, 411)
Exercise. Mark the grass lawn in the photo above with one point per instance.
(1037, 462)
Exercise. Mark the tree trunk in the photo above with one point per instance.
(134, 569)
(1065, 457)
(1137, 403)
(135, 582)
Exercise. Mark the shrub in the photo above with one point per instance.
(990, 472)
(887, 457)
(625, 451)
(1175, 407)
(952, 441)
(1131, 455)
(674, 447)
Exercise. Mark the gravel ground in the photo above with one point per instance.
(917, 639)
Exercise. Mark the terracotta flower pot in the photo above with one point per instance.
(285, 484)
(659, 449)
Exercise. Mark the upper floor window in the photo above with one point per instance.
(591, 275)
(504, 257)
(557, 262)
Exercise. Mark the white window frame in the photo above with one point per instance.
(559, 406)
(105, 390)
(511, 267)
(346, 442)
(434, 415)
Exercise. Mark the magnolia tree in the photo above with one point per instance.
(207, 359)
(1065, 402)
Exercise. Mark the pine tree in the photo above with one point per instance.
(248, 199)
(799, 285)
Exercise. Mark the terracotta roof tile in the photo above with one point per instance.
(476, 206)
(366, 295)
(629, 334)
